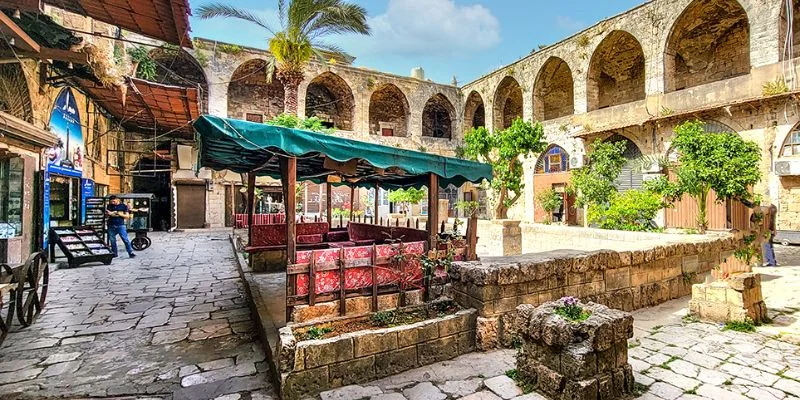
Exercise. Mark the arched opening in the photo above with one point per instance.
(330, 99)
(507, 103)
(791, 146)
(553, 92)
(14, 96)
(630, 177)
(552, 161)
(474, 112)
(709, 42)
(179, 68)
(251, 97)
(437, 117)
(790, 30)
(616, 72)
(388, 111)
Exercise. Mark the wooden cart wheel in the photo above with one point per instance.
(32, 291)
(7, 312)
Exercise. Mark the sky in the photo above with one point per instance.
(464, 39)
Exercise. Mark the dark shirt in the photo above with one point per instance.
(116, 221)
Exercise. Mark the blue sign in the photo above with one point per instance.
(66, 158)
(87, 190)
(46, 209)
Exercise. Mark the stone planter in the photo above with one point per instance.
(737, 298)
(309, 367)
(575, 360)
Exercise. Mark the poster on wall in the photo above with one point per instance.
(66, 158)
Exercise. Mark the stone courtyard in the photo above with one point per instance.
(174, 323)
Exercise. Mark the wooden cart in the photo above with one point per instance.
(23, 291)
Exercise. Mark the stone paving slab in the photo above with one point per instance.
(159, 326)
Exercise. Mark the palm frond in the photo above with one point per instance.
(219, 10)
(324, 51)
(340, 19)
(282, 13)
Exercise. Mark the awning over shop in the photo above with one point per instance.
(25, 131)
(166, 20)
(242, 147)
(144, 106)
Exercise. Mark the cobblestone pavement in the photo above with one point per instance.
(672, 357)
(172, 323)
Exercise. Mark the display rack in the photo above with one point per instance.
(81, 245)
(96, 215)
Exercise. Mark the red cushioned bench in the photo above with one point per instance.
(310, 235)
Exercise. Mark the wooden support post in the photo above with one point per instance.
(289, 181)
(312, 281)
(352, 202)
(374, 278)
(377, 203)
(251, 203)
(472, 238)
(433, 210)
(342, 288)
(329, 203)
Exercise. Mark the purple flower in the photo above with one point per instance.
(569, 301)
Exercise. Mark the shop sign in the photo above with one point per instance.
(66, 158)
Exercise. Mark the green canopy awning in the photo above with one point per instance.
(242, 146)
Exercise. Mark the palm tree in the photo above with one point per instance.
(304, 24)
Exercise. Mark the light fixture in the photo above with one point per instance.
(17, 14)
(12, 42)
(69, 65)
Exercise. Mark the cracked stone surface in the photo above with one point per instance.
(126, 330)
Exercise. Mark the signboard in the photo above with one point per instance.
(66, 158)
(45, 208)
(87, 190)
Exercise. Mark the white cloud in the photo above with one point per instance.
(569, 23)
(431, 27)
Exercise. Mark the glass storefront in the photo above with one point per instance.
(64, 201)
(11, 190)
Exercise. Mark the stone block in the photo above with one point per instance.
(619, 278)
(578, 361)
(453, 324)
(466, 342)
(395, 361)
(353, 372)
(374, 342)
(325, 352)
(358, 305)
(486, 333)
(437, 350)
(417, 333)
(549, 381)
(387, 301)
(698, 292)
(298, 385)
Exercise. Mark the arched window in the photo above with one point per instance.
(330, 99)
(791, 146)
(552, 161)
(388, 111)
(630, 177)
(507, 103)
(437, 117)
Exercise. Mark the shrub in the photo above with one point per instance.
(740, 326)
(316, 332)
(549, 200)
(147, 67)
(633, 210)
(571, 310)
(313, 124)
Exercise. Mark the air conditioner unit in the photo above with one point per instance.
(787, 168)
(577, 161)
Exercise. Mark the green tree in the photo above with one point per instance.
(313, 124)
(304, 26)
(406, 197)
(633, 210)
(549, 200)
(503, 150)
(594, 183)
(722, 162)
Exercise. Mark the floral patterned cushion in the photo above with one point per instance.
(309, 239)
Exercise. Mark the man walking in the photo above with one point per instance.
(770, 214)
(117, 214)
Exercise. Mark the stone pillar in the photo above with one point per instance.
(575, 360)
(737, 298)
(501, 238)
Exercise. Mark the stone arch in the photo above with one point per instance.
(438, 117)
(553, 91)
(330, 99)
(616, 72)
(474, 112)
(630, 177)
(507, 103)
(552, 161)
(251, 95)
(15, 99)
(709, 42)
(790, 46)
(388, 111)
(179, 68)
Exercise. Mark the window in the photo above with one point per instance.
(791, 147)
(11, 187)
(255, 117)
(553, 161)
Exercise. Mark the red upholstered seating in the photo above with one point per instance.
(309, 239)
(273, 236)
(363, 234)
(337, 236)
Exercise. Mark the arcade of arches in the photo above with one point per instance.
(251, 96)
(14, 96)
(388, 112)
(330, 99)
(474, 112)
(708, 43)
(179, 68)
(437, 117)
(507, 103)
(616, 72)
(554, 93)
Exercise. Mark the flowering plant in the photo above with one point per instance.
(571, 310)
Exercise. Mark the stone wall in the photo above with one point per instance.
(309, 367)
(625, 280)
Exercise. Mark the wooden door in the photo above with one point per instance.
(191, 206)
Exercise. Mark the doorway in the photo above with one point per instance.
(191, 204)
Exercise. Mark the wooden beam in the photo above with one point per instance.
(433, 210)
(328, 204)
(251, 202)
(22, 40)
(352, 202)
(377, 203)
(289, 180)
